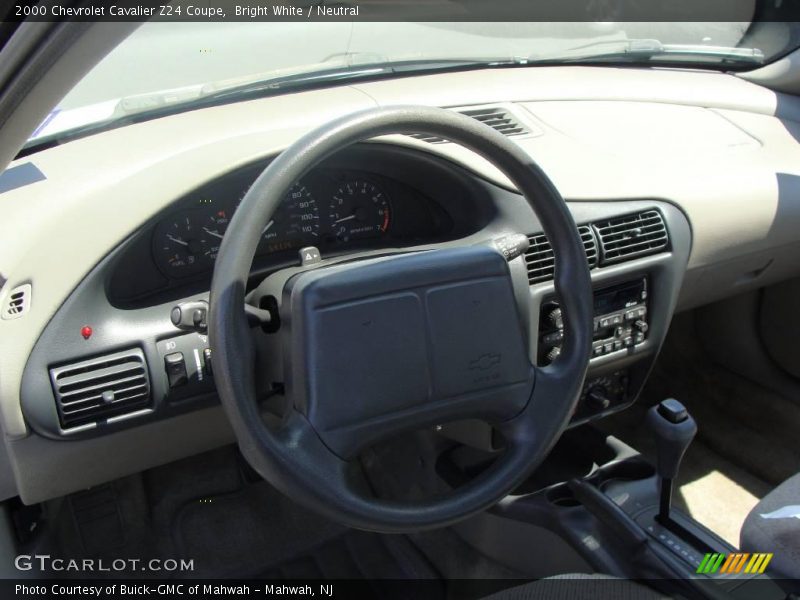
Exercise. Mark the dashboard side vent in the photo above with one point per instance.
(102, 388)
(17, 302)
(540, 260)
(631, 236)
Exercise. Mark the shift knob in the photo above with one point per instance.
(674, 430)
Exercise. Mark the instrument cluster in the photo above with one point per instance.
(325, 209)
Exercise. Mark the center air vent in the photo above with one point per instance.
(496, 117)
(101, 388)
(631, 236)
(541, 262)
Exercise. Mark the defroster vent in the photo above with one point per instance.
(102, 388)
(496, 117)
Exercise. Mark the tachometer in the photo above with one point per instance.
(295, 223)
(359, 209)
(180, 245)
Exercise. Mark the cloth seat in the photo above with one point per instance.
(774, 526)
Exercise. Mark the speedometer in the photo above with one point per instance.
(295, 223)
(359, 209)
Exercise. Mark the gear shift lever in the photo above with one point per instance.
(674, 430)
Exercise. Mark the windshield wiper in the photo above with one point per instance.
(355, 72)
(637, 50)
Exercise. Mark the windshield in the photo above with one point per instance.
(175, 65)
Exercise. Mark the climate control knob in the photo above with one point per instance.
(556, 318)
(597, 397)
(553, 354)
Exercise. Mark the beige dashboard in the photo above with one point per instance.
(723, 150)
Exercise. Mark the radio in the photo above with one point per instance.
(620, 321)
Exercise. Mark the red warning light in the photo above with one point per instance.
(86, 332)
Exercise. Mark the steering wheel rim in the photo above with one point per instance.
(295, 459)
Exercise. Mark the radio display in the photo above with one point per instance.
(618, 297)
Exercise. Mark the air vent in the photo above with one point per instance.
(496, 117)
(101, 389)
(541, 262)
(17, 302)
(631, 236)
(431, 139)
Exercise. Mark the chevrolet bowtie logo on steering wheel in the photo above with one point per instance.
(485, 361)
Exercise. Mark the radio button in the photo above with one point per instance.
(616, 319)
(628, 342)
(608, 347)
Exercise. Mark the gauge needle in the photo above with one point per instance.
(178, 240)
(270, 224)
(214, 233)
(343, 219)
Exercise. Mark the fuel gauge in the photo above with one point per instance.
(180, 245)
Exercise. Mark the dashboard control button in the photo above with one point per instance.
(310, 255)
(638, 338)
(598, 350)
(553, 338)
(207, 362)
(605, 322)
(190, 316)
(641, 326)
(615, 319)
(618, 345)
(628, 342)
(175, 366)
(553, 354)
(608, 347)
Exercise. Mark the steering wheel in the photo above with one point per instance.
(377, 346)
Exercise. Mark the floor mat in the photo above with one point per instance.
(238, 533)
(357, 555)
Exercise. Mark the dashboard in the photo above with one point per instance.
(715, 156)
